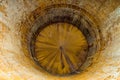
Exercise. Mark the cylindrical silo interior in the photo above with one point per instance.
(59, 40)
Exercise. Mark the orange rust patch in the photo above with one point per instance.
(2, 10)
(3, 29)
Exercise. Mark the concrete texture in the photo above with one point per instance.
(18, 16)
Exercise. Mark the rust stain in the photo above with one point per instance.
(3, 29)
(87, 75)
(2, 10)
(26, 3)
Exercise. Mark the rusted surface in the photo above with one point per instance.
(60, 49)
(16, 19)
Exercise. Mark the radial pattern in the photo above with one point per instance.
(61, 48)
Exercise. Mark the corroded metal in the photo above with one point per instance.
(18, 18)
(60, 48)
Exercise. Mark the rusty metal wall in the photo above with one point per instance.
(18, 16)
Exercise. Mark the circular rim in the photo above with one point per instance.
(72, 16)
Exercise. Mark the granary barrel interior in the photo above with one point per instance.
(59, 40)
